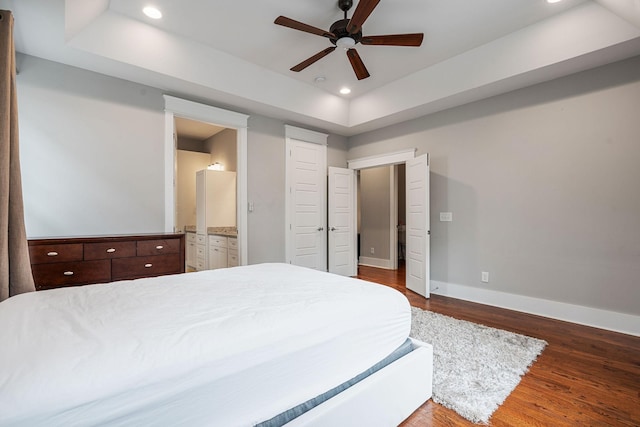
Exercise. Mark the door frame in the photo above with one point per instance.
(387, 159)
(177, 107)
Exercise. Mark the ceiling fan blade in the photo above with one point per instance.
(394, 40)
(304, 64)
(357, 64)
(362, 12)
(296, 25)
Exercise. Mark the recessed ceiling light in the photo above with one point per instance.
(553, 1)
(345, 91)
(152, 12)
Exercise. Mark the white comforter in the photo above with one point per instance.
(222, 348)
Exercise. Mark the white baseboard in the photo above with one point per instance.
(375, 262)
(603, 319)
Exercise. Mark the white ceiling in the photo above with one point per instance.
(231, 54)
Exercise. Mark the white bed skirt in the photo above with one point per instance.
(384, 399)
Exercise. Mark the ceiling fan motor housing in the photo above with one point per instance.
(339, 28)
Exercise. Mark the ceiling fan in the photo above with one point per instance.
(346, 33)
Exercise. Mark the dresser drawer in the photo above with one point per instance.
(132, 268)
(59, 274)
(69, 261)
(109, 250)
(55, 253)
(191, 237)
(158, 247)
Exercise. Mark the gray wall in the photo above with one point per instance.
(92, 158)
(543, 186)
(191, 144)
(224, 149)
(375, 212)
(91, 152)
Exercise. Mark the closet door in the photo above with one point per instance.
(306, 195)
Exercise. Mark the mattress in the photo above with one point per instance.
(227, 347)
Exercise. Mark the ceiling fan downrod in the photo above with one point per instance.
(345, 5)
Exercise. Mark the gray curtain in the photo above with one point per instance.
(15, 268)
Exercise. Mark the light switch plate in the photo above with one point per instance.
(446, 216)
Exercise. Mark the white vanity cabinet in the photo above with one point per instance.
(190, 250)
(232, 252)
(201, 252)
(218, 252)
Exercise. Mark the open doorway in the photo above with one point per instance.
(199, 146)
(176, 107)
(417, 215)
(381, 216)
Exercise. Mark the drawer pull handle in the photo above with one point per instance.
(52, 253)
(159, 247)
(111, 250)
(68, 273)
(148, 265)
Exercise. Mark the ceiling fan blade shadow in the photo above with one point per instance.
(296, 25)
(362, 12)
(414, 40)
(304, 64)
(357, 64)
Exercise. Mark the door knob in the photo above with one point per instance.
(320, 228)
(333, 229)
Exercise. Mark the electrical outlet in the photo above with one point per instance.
(485, 277)
(372, 251)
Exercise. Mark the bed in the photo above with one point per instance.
(267, 345)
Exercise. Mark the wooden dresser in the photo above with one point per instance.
(72, 261)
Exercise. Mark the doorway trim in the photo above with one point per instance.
(177, 107)
(388, 159)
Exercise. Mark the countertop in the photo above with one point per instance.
(218, 231)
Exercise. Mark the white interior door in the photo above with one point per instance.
(307, 182)
(418, 227)
(342, 221)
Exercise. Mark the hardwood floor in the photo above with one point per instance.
(584, 377)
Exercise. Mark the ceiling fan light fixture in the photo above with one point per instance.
(345, 43)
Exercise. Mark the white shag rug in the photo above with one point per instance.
(475, 367)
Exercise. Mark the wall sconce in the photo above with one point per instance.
(217, 166)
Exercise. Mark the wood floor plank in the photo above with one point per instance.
(584, 377)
